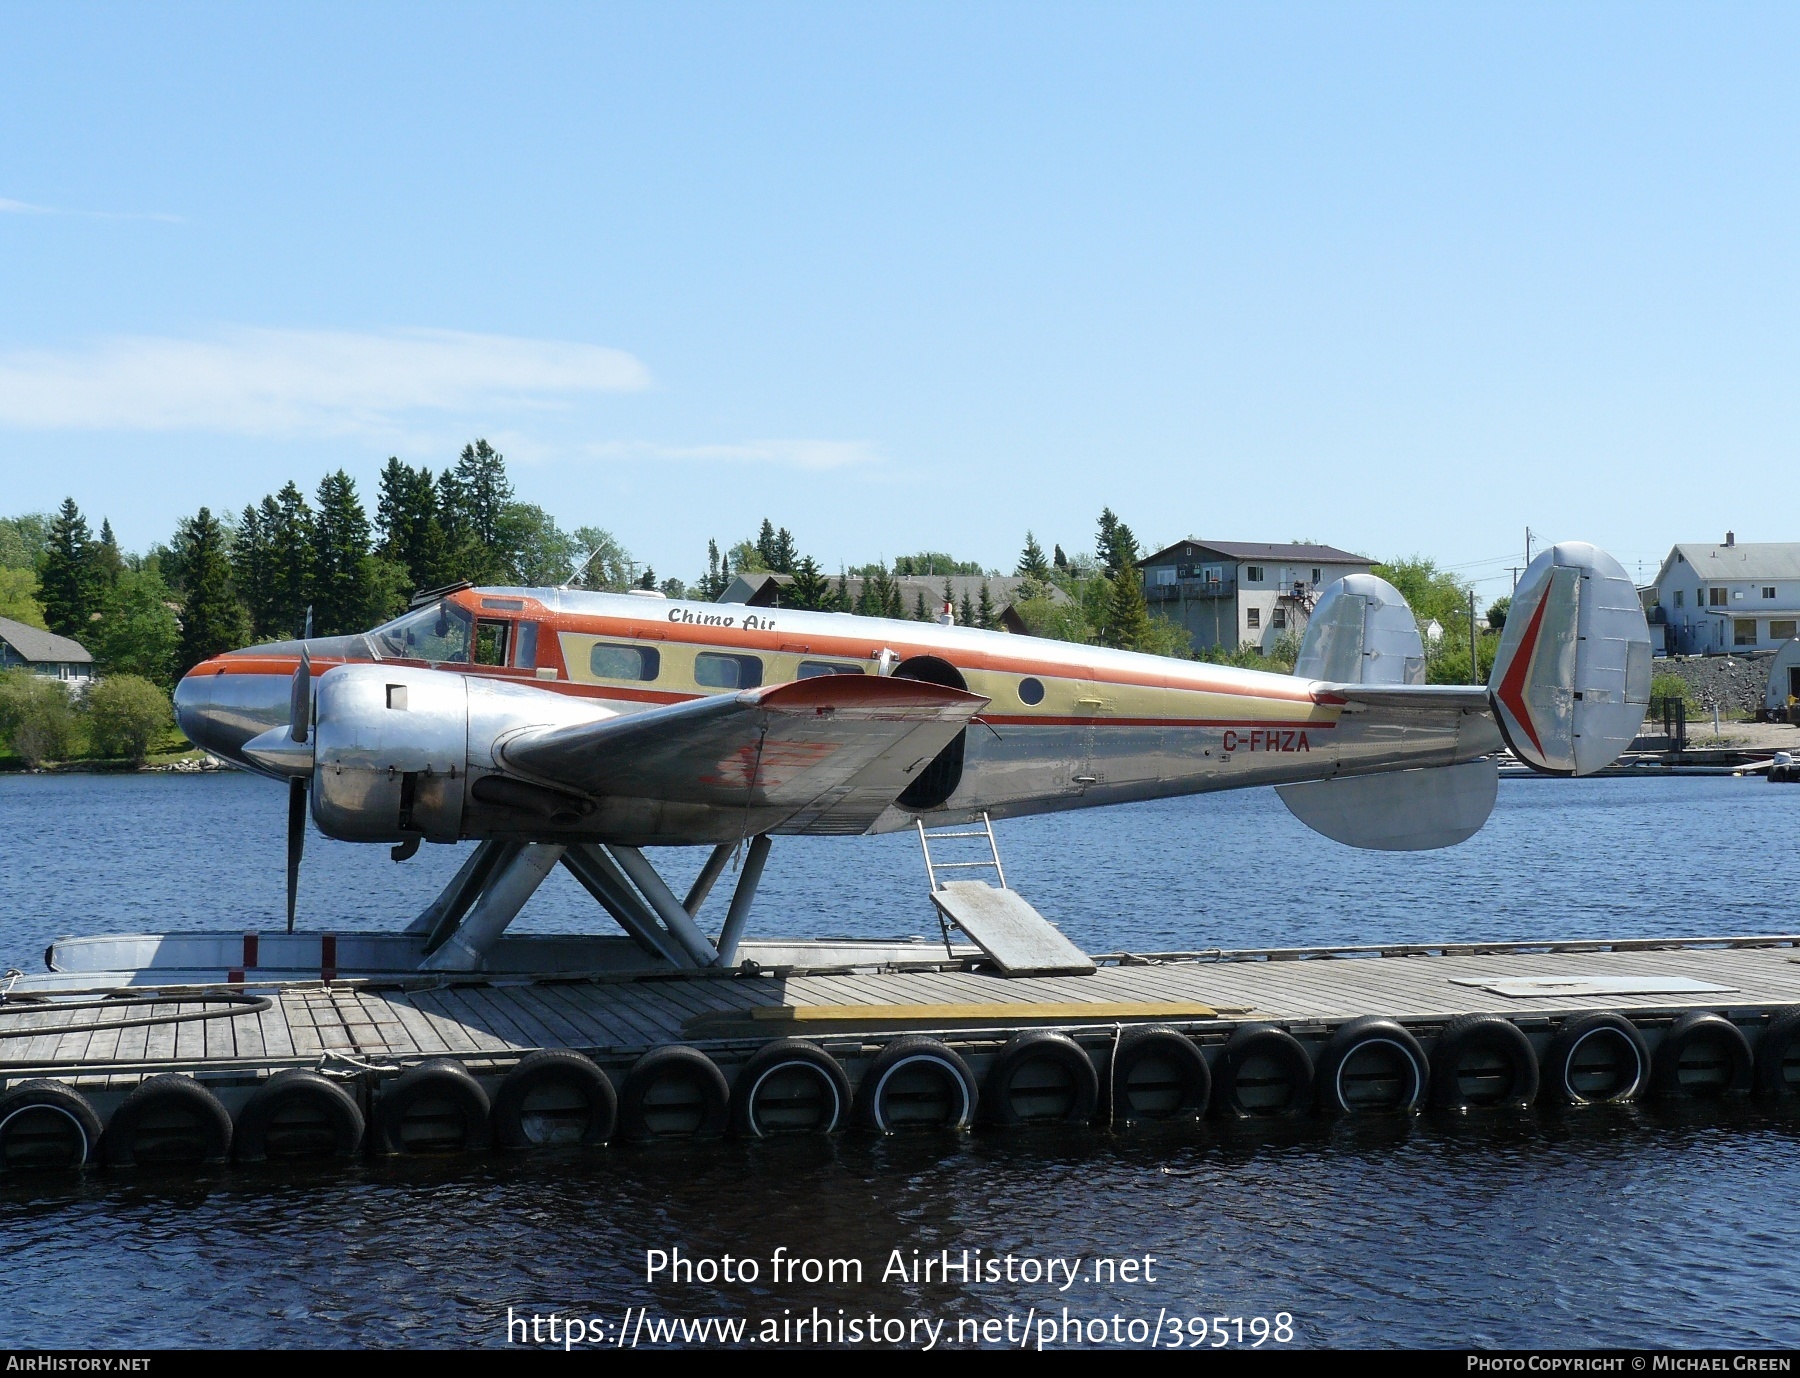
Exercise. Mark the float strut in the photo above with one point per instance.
(739, 913)
(663, 901)
(602, 879)
(513, 883)
(703, 883)
(438, 919)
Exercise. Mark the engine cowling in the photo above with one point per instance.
(401, 752)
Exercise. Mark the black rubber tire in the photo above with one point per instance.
(167, 1118)
(431, 1109)
(705, 1112)
(1710, 1050)
(1156, 1073)
(554, 1097)
(331, 1121)
(785, 1067)
(888, 1076)
(1778, 1057)
(47, 1127)
(1068, 1096)
(1575, 1065)
(1360, 1058)
(1262, 1073)
(1483, 1062)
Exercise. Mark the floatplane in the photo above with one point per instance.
(559, 726)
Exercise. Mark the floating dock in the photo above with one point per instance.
(152, 1064)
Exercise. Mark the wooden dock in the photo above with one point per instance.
(366, 1033)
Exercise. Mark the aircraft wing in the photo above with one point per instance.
(834, 752)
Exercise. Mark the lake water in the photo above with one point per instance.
(1628, 1226)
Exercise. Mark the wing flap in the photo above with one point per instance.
(811, 747)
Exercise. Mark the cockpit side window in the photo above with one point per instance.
(490, 641)
(438, 633)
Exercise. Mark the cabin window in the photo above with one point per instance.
(1253, 618)
(815, 669)
(438, 634)
(713, 670)
(1782, 631)
(1743, 631)
(525, 653)
(1031, 691)
(610, 661)
(490, 642)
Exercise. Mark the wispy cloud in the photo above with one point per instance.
(27, 208)
(797, 454)
(298, 382)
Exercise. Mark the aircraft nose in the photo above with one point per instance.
(193, 697)
(220, 709)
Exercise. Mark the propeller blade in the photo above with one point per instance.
(296, 843)
(300, 699)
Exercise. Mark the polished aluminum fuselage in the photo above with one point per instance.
(1067, 726)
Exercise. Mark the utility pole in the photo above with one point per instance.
(1528, 545)
(1514, 571)
(1474, 658)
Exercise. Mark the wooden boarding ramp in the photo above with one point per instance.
(943, 1043)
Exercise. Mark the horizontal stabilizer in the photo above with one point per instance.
(1398, 811)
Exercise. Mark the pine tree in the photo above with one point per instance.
(784, 552)
(984, 610)
(967, 615)
(472, 500)
(109, 562)
(810, 589)
(920, 614)
(342, 592)
(212, 618)
(646, 580)
(67, 586)
(1116, 546)
(1060, 560)
(949, 603)
(891, 606)
(1032, 564)
(287, 524)
(252, 572)
(717, 578)
(1127, 616)
(411, 531)
(765, 544)
(840, 596)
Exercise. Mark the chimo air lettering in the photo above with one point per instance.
(1270, 739)
(688, 617)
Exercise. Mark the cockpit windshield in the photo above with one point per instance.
(438, 633)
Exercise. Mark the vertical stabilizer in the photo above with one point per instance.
(1362, 632)
(1571, 682)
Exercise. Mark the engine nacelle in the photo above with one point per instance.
(401, 752)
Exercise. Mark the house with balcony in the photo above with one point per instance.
(1738, 596)
(1235, 593)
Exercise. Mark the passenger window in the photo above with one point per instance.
(715, 671)
(813, 669)
(490, 642)
(525, 657)
(625, 662)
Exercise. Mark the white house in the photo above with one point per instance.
(1238, 593)
(1730, 597)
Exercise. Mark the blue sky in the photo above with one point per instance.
(1395, 278)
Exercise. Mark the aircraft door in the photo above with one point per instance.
(937, 781)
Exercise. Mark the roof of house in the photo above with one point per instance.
(1742, 560)
(41, 647)
(1274, 552)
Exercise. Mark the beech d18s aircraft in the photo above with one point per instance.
(558, 725)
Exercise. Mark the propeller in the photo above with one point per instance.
(299, 722)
